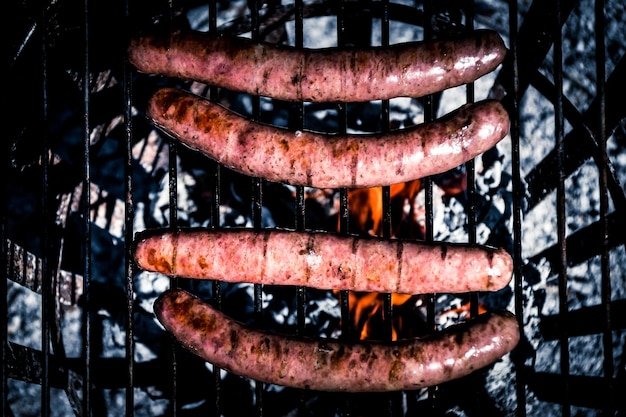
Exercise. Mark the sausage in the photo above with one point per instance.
(331, 365)
(324, 160)
(319, 75)
(323, 260)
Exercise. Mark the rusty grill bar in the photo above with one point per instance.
(59, 260)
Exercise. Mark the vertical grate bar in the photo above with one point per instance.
(46, 238)
(607, 339)
(4, 160)
(4, 406)
(429, 115)
(86, 203)
(470, 172)
(129, 213)
(470, 166)
(385, 109)
(343, 215)
(560, 201)
(173, 223)
(297, 122)
(215, 219)
(257, 198)
(386, 209)
(344, 226)
(518, 193)
(387, 226)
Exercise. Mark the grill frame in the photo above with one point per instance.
(48, 366)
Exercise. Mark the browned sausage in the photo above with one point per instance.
(321, 75)
(329, 365)
(329, 161)
(324, 260)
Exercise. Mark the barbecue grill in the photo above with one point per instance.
(86, 170)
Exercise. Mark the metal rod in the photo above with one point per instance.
(580, 141)
(472, 197)
(129, 211)
(46, 310)
(342, 114)
(561, 200)
(86, 204)
(173, 223)
(607, 336)
(429, 115)
(470, 166)
(386, 209)
(216, 294)
(518, 193)
(297, 123)
(257, 198)
(4, 405)
(344, 216)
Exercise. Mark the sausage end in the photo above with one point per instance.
(156, 254)
(499, 269)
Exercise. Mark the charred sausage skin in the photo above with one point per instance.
(323, 260)
(325, 160)
(331, 365)
(411, 69)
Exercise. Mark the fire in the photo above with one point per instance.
(365, 208)
(365, 308)
(408, 318)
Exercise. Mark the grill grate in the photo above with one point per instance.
(86, 170)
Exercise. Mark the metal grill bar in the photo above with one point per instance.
(559, 121)
(582, 141)
(586, 321)
(534, 37)
(518, 192)
(346, 406)
(174, 348)
(88, 334)
(215, 218)
(4, 405)
(387, 313)
(46, 309)
(470, 166)
(129, 210)
(297, 123)
(607, 337)
(257, 205)
(429, 115)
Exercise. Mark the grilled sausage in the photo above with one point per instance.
(319, 75)
(330, 365)
(323, 260)
(328, 161)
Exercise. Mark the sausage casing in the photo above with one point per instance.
(330, 365)
(328, 160)
(319, 75)
(323, 260)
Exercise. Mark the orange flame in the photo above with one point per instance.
(365, 209)
(365, 306)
